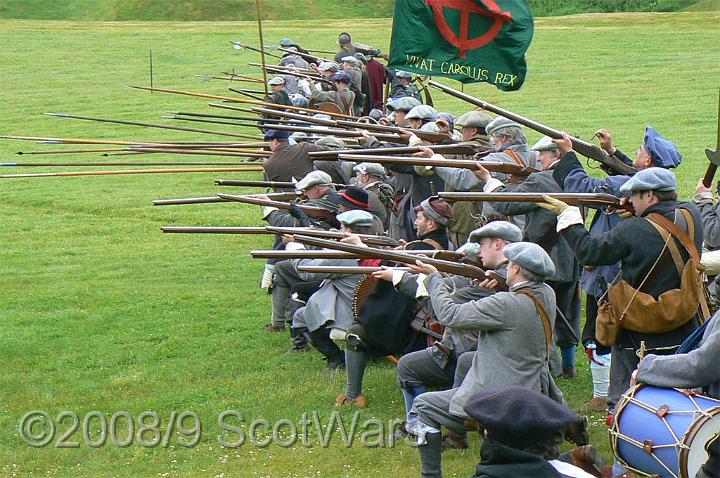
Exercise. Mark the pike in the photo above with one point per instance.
(307, 56)
(205, 115)
(257, 123)
(713, 156)
(152, 125)
(344, 133)
(197, 152)
(312, 211)
(230, 78)
(395, 256)
(459, 148)
(48, 140)
(585, 148)
(127, 171)
(232, 74)
(72, 151)
(248, 93)
(135, 163)
(495, 166)
(573, 199)
(425, 135)
(215, 199)
(274, 105)
(371, 239)
(263, 184)
(240, 46)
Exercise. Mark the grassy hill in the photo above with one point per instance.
(215, 10)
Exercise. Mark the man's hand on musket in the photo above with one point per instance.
(406, 135)
(443, 126)
(564, 144)
(605, 141)
(288, 238)
(701, 188)
(553, 205)
(625, 210)
(481, 173)
(261, 196)
(385, 274)
(421, 268)
(424, 152)
(352, 239)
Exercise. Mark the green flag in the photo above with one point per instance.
(467, 40)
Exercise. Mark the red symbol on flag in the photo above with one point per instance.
(462, 41)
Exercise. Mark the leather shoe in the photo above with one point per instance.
(596, 404)
(274, 328)
(568, 373)
(358, 401)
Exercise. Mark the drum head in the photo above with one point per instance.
(697, 439)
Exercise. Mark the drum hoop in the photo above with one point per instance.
(683, 443)
(690, 436)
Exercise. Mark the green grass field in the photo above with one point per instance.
(102, 312)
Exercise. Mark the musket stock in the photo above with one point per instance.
(395, 256)
(583, 147)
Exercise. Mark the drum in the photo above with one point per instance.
(664, 431)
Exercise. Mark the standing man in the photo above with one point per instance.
(289, 162)
(346, 47)
(377, 76)
(278, 94)
(647, 264)
(405, 86)
(655, 151)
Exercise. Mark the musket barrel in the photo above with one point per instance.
(345, 270)
(581, 146)
(573, 199)
(459, 148)
(214, 230)
(494, 166)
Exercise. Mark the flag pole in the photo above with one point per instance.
(262, 45)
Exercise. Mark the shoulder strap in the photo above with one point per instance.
(678, 233)
(672, 247)
(543, 315)
(516, 157)
(434, 243)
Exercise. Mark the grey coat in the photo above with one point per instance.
(710, 215)
(460, 179)
(461, 291)
(697, 368)
(332, 303)
(511, 345)
(540, 224)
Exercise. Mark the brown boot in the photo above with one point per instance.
(454, 442)
(274, 328)
(596, 404)
(359, 401)
(568, 373)
(586, 458)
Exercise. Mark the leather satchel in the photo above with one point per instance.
(631, 309)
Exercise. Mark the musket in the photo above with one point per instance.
(214, 199)
(153, 125)
(127, 171)
(345, 269)
(574, 199)
(295, 116)
(321, 254)
(401, 257)
(195, 152)
(459, 148)
(370, 239)
(585, 148)
(312, 211)
(264, 184)
(494, 166)
(240, 46)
